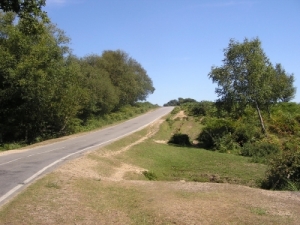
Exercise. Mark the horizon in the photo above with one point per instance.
(177, 42)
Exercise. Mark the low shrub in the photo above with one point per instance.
(176, 110)
(226, 144)
(215, 130)
(245, 132)
(285, 123)
(283, 172)
(150, 175)
(180, 139)
(203, 108)
(259, 151)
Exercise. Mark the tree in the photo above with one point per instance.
(144, 82)
(100, 92)
(173, 102)
(130, 80)
(283, 90)
(33, 7)
(247, 78)
(39, 86)
(30, 11)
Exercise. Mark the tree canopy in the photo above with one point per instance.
(247, 78)
(30, 11)
(47, 91)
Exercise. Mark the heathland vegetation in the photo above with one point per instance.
(253, 116)
(221, 132)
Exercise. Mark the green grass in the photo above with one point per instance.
(258, 211)
(169, 163)
(192, 164)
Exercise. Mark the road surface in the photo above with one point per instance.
(18, 169)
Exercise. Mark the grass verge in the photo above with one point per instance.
(108, 187)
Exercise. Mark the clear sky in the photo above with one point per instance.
(177, 41)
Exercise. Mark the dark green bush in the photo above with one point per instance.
(203, 108)
(180, 139)
(226, 144)
(259, 151)
(245, 132)
(150, 175)
(284, 171)
(215, 130)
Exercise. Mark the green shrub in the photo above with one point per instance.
(259, 151)
(150, 175)
(11, 146)
(284, 171)
(226, 144)
(203, 108)
(215, 130)
(285, 123)
(176, 110)
(170, 122)
(246, 132)
(180, 139)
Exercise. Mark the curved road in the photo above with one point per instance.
(19, 169)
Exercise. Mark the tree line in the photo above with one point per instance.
(46, 90)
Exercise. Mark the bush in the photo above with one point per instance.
(284, 123)
(176, 110)
(245, 132)
(215, 130)
(226, 144)
(180, 139)
(259, 151)
(203, 108)
(150, 175)
(283, 172)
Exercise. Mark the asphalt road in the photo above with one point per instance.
(19, 169)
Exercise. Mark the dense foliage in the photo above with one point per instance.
(30, 11)
(248, 78)
(46, 91)
(179, 102)
(248, 82)
(253, 116)
(223, 132)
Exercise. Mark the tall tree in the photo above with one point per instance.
(282, 84)
(248, 78)
(144, 82)
(30, 11)
(39, 88)
(101, 95)
(130, 80)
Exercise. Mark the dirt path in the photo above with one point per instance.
(84, 166)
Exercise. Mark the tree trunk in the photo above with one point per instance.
(261, 119)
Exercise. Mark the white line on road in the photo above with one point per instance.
(30, 156)
(10, 161)
(12, 191)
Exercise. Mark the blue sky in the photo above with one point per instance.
(177, 41)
